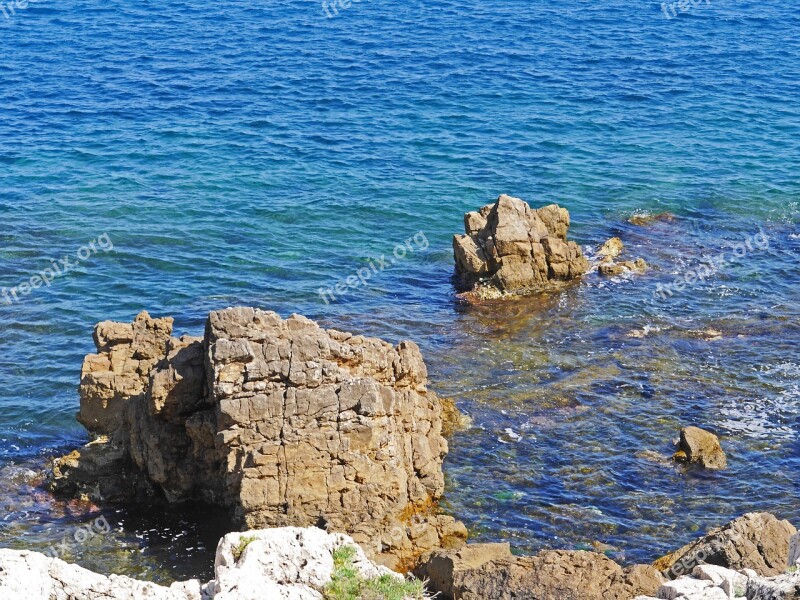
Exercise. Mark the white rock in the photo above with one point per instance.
(794, 551)
(33, 576)
(688, 588)
(288, 563)
(782, 587)
(732, 583)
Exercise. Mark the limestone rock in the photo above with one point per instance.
(276, 564)
(732, 582)
(709, 582)
(489, 571)
(511, 248)
(794, 551)
(285, 563)
(277, 420)
(782, 587)
(34, 576)
(688, 588)
(699, 446)
(757, 541)
(127, 352)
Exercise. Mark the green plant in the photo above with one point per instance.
(244, 542)
(792, 569)
(347, 584)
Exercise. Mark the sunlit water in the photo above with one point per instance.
(245, 154)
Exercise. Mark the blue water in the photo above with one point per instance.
(251, 153)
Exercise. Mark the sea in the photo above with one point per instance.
(185, 156)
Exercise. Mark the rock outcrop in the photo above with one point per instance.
(711, 582)
(757, 541)
(276, 564)
(511, 248)
(609, 268)
(278, 420)
(699, 446)
(481, 571)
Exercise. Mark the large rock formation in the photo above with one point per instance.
(277, 564)
(280, 421)
(481, 571)
(511, 248)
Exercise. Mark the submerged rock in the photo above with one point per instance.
(645, 219)
(699, 446)
(513, 249)
(279, 421)
(483, 571)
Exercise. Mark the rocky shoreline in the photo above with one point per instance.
(755, 557)
(314, 440)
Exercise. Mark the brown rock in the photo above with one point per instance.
(444, 571)
(511, 248)
(279, 421)
(489, 571)
(612, 248)
(127, 352)
(758, 541)
(611, 269)
(699, 446)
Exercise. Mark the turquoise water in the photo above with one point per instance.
(250, 154)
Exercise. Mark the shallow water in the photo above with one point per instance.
(249, 155)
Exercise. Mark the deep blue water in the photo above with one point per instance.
(251, 153)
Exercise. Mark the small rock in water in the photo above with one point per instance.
(699, 446)
(611, 249)
(612, 269)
